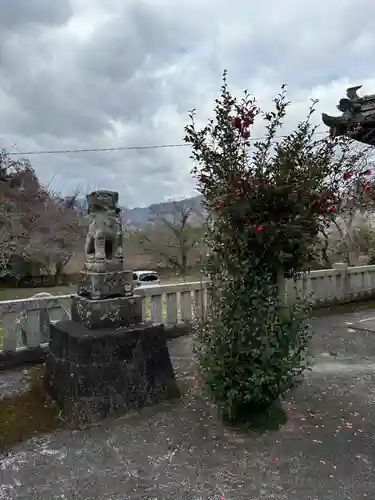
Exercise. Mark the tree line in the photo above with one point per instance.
(175, 237)
(42, 231)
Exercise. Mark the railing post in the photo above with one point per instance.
(186, 306)
(11, 331)
(157, 308)
(172, 309)
(33, 327)
(344, 292)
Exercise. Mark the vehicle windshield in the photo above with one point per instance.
(148, 277)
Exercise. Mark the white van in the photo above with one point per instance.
(145, 278)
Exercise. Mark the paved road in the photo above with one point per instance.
(178, 450)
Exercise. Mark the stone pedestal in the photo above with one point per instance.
(107, 313)
(105, 359)
(95, 373)
(105, 285)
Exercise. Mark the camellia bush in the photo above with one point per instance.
(267, 200)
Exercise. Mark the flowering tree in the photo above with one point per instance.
(267, 201)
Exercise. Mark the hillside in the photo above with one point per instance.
(135, 218)
(139, 217)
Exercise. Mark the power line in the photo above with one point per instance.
(96, 150)
(121, 148)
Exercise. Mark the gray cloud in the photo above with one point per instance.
(18, 14)
(103, 73)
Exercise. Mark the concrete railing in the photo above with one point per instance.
(24, 324)
(334, 286)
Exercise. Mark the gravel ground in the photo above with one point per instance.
(179, 450)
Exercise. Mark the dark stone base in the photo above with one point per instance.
(105, 285)
(107, 313)
(96, 373)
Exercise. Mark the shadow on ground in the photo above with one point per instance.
(179, 450)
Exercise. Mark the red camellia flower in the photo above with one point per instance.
(368, 172)
(249, 119)
(237, 122)
(367, 188)
(259, 229)
(347, 175)
(333, 210)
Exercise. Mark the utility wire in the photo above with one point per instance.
(121, 148)
(97, 150)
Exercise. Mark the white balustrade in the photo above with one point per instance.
(24, 323)
(172, 304)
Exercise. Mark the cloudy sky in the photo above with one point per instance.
(110, 73)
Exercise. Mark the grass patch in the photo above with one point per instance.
(28, 414)
(26, 293)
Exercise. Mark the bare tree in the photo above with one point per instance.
(346, 237)
(20, 194)
(60, 230)
(174, 236)
(11, 233)
(36, 226)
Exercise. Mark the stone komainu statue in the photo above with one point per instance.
(104, 237)
(357, 120)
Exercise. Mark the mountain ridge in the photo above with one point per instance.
(139, 217)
